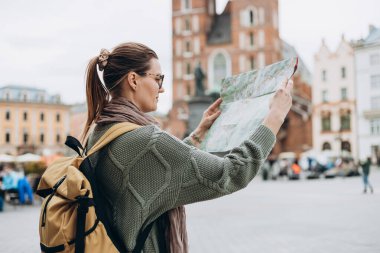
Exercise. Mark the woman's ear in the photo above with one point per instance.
(132, 80)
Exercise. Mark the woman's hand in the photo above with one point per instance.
(279, 106)
(209, 116)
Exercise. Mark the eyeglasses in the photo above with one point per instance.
(159, 78)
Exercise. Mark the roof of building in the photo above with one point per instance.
(289, 51)
(373, 37)
(19, 93)
(221, 29)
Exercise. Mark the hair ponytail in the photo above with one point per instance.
(97, 96)
(115, 66)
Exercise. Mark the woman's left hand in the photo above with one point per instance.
(209, 116)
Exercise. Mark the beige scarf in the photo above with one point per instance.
(122, 110)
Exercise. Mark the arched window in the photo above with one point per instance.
(326, 146)
(188, 68)
(251, 39)
(187, 24)
(186, 4)
(346, 145)
(220, 69)
(251, 17)
(252, 62)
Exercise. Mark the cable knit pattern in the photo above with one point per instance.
(147, 171)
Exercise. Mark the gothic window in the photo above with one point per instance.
(326, 146)
(58, 117)
(25, 116)
(42, 116)
(251, 39)
(220, 68)
(186, 4)
(188, 68)
(251, 17)
(187, 46)
(187, 24)
(42, 138)
(188, 90)
(252, 62)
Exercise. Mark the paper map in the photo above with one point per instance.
(245, 104)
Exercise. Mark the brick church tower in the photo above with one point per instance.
(243, 37)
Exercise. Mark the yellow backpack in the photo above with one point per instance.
(70, 220)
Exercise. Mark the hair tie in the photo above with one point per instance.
(103, 59)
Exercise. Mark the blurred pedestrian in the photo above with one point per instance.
(366, 166)
(1, 191)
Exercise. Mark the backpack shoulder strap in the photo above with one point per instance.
(111, 134)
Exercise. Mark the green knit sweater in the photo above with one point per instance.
(147, 171)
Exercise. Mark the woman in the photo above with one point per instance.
(147, 172)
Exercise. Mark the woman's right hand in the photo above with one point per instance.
(279, 106)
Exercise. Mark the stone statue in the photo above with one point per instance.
(199, 76)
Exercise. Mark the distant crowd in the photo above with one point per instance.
(14, 186)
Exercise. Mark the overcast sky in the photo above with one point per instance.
(47, 44)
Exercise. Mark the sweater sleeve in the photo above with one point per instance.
(188, 141)
(205, 176)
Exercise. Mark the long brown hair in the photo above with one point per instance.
(123, 59)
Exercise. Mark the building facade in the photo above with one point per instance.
(32, 121)
(245, 36)
(334, 112)
(367, 59)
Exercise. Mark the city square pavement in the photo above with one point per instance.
(325, 215)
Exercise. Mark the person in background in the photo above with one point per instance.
(366, 166)
(10, 180)
(24, 188)
(1, 191)
(14, 181)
